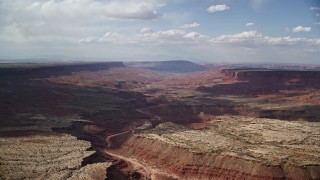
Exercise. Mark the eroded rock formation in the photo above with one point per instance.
(230, 148)
(47, 157)
(273, 75)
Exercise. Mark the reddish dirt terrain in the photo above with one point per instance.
(111, 105)
(121, 78)
(295, 86)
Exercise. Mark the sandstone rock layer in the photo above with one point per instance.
(46, 157)
(239, 150)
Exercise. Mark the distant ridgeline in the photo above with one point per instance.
(176, 66)
(47, 70)
(260, 74)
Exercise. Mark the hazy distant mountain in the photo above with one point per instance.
(176, 66)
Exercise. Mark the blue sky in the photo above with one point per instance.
(205, 31)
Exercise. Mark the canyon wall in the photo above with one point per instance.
(198, 165)
(185, 114)
(264, 75)
(47, 70)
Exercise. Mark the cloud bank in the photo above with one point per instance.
(251, 39)
(257, 39)
(55, 20)
(141, 28)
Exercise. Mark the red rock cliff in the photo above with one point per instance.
(273, 75)
(193, 165)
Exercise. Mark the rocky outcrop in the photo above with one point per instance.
(230, 147)
(185, 114)
(91, 171)
(264, 75)
(47, 70)
(47, 157)
(193, 165)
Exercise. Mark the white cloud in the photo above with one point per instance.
(126, 9)
(216, 8)
(189, 26)
(292, 41)
(89, 40)
(172, 36)
(250, 39)
(67, 20)
(249, 24)
(147, 35)
(111, 36)
(86, 28)
(108, 37)
(314, 8)
(317, 23)
(169, 34)
(248, 36)
(318, 14)
(192, 35)
(301, 29)
(256, 39)
(146, 30)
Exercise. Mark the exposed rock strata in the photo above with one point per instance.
(46, 157)
(231, 147)
(55, 70)
(91, 171)
(270, 74)
(184, 114)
